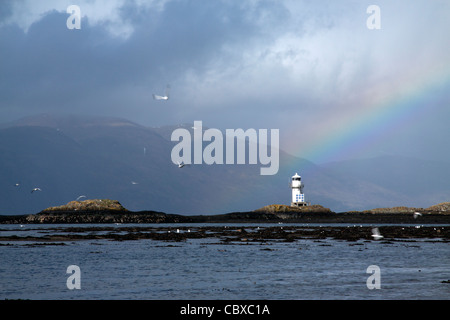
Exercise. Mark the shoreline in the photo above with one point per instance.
(70, 217)
(111, 211)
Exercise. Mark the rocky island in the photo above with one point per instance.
(96, 211)
(111, 211)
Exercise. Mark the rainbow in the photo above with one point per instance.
(376, 120)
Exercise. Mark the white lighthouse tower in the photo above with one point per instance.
(298, 198)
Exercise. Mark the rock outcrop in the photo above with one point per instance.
(443, 207)
(281, 208)
(99, 211)
(111, 211)
(95, 205)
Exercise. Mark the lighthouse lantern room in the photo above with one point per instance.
(298, 198)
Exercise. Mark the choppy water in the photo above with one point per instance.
(209, 269)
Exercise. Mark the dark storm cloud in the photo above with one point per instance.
(51, 65)
(249, 64)
(53, 68)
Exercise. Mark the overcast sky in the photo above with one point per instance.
(312, 69)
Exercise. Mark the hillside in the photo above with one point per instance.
(110, 158)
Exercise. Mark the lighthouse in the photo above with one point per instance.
(298, 198)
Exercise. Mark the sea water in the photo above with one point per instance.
(209, 269)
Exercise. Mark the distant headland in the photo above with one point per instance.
(111, 211)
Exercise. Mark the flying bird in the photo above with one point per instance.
(80, 197)
(165, 97)
(376, 234)
(35, 189)
(417, 214)
(181, 164)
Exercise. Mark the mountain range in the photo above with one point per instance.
(69, 157)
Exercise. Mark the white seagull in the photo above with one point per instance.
(181, 164)
(35, 189)
(165, 97)
(417, 214)
(78, 199)
(376, 234)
